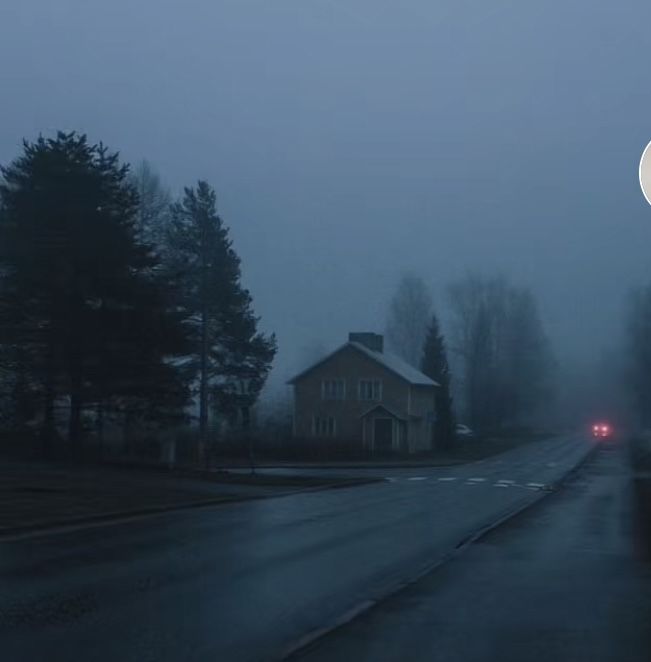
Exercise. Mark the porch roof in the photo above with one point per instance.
(384, 408)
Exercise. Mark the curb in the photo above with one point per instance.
(413, 464)
(303, 644)
(321, 467)
(114, 517)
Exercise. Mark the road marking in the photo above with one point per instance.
(501, 485)
(536, 486)
(417, 478)
(319, 633)
(506, 482)
(448, 478)
(476, 480)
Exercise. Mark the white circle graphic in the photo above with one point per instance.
(645, 173)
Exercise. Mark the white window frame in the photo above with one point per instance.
(375, 396)
(324, 427)
(324, 389)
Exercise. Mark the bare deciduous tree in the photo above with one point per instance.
(408, 318)
(639, 353)
(498, 336)
(153, 205)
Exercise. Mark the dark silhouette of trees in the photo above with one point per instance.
(505, 356)
(84, 317)
(434, 364)
(115, 305)
(639, 353)
(408, 317)
(229, 358)
(153, 208)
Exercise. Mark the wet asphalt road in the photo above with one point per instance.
(562, 581)
(247, 581)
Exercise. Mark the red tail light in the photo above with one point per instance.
(601, 430)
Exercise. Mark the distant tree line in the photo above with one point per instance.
(118, 305)
(506, 360)
(639, 354)
(497, 339)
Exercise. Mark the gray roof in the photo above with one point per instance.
(391, 362)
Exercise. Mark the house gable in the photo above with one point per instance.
(352, 367)
(350, 393)
(389, 362)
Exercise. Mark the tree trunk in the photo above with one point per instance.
(48, 422)
(203, 392)
(203, 399)
(48, 406)
(203, 362)
(20, 392)
(74, 424)
(127, 429)
(100, 428)
(246, 428)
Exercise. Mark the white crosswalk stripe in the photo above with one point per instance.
(477, 480)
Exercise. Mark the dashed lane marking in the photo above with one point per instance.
(502, 482)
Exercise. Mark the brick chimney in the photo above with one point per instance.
(374, 341)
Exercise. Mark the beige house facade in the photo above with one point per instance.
(362, 395)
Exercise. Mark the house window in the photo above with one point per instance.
(324, 426)
(333, 389)
(370, 389)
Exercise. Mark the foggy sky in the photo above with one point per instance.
(351, 140)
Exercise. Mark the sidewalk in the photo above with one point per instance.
(33, 496)
(560, 582)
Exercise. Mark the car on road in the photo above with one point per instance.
(464, 432)
(602, 430)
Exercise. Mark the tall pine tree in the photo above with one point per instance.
(88, 318)
(229, 357)
(434, 364)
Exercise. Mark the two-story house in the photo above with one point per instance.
(359, 393)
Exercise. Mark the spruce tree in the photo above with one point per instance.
(230, 358)
(88, 315)
(434, 364)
